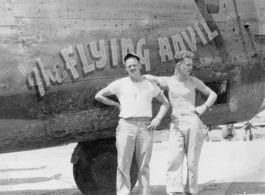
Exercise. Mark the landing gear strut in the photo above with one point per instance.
(228, 131)
(95, 166)
(248, 127)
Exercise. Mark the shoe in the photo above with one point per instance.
(177, 193)
(188, 193)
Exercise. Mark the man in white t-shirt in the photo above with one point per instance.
(135, 130)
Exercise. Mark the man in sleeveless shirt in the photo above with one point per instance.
(135, 95)
(186, 128)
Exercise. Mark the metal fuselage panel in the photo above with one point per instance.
(56, 55)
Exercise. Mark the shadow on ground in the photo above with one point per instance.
(18, 181)
(234, 188)
(73, 191)
(24, 169)
(208, 189)
(219, 189)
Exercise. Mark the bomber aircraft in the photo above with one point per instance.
(57, 54)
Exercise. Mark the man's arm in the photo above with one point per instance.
(212, 96)
(163, 110)
(101, 96)
(161, 81)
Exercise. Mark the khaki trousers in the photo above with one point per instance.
(185, 138)
(133, 134)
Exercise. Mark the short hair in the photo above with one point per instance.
(179, 56)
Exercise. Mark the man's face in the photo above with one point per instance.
(185, 66)
(132, 66)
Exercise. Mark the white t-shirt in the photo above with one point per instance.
(135, 101)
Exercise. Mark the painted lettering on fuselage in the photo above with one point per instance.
(188, 36)
(41, 79)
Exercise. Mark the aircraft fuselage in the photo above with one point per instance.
(55, 57)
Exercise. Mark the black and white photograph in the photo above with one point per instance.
(132, 97)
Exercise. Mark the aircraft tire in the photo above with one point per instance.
(250, 137)
(96, 168)
(227, 134)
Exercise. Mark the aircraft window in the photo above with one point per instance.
(212, 6)
(221, 88)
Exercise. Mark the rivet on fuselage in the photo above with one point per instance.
(246, 25)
